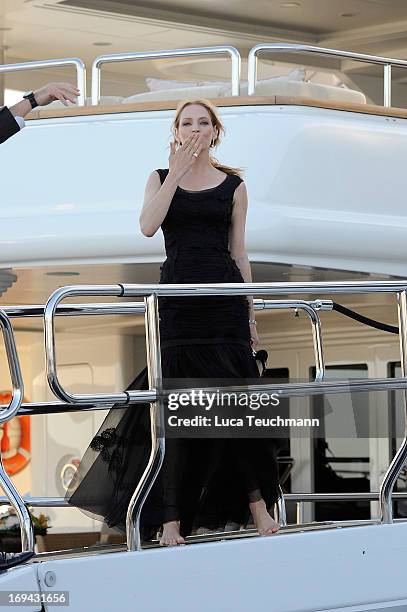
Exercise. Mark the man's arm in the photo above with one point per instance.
(44, 96)
(8, 125)
(47, 94)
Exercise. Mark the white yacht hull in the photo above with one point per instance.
(350, 568)
(327, 187)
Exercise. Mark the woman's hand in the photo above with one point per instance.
(183, 158)
(254, 336)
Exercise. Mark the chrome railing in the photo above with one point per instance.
(53, 305)
(70, 61)
(386, 62)
(155, 375)
(169, 53)
(54, 308)
(155, 395)
(230, 51)
(11, 410)
(301, 498)
(151, 293)
(280, 511)
(7, 413)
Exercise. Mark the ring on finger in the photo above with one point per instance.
(195, 154)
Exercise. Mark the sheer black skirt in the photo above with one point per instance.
(203, 482)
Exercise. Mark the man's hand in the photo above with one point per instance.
(56, 91)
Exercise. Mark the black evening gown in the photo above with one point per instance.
(203, 482)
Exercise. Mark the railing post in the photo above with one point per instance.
(386, 488)
(157, 425)
(387, 85)
(7, 413)
(15, 499)
(300, 512)
(280, 513)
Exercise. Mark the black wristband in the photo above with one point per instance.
(30, 96)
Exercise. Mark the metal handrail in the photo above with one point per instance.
(157, 426)
(155, 382)
(49, 312)
(60, 502)
(280, 509)
(53, 304)
(7, 413)
(311, 288)
(283, 390)
(153, 360)
(156, 394)
(399, 459)
(280, 513)
(70, 61)
(114, 308)
(386, 62)
(149, 55)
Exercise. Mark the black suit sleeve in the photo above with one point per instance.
(8, 125)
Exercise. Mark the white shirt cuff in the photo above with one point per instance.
(20, 122)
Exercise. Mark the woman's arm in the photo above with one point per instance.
(157, 197)
(157, 200)
(237, 245)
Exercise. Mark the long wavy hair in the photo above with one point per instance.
(216, 123)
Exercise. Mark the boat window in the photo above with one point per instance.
(341, 456)
(397, 419)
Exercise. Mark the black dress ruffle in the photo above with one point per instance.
(203, 482)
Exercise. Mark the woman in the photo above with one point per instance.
(201, 207)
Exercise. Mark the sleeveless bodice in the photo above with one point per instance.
(200, 219)
(196, 235)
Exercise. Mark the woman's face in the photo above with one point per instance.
(195, 119)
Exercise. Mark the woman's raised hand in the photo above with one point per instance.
(183, 158)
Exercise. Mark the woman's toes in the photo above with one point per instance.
(273, 529)
(168, 539)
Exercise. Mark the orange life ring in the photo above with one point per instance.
(15, 461)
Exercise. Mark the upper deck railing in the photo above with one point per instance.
(231, 52)
(156, 395)
(54, 63)
(222, 50)
(386, 62)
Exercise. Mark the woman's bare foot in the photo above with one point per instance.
(171, 535)
(265, 524)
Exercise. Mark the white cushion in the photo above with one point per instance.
(279, 86)
(309, 90)
(104, 100)
(294, 84)
(184, 93)
(155, 84)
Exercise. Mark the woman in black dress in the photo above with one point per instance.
(201, 208)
